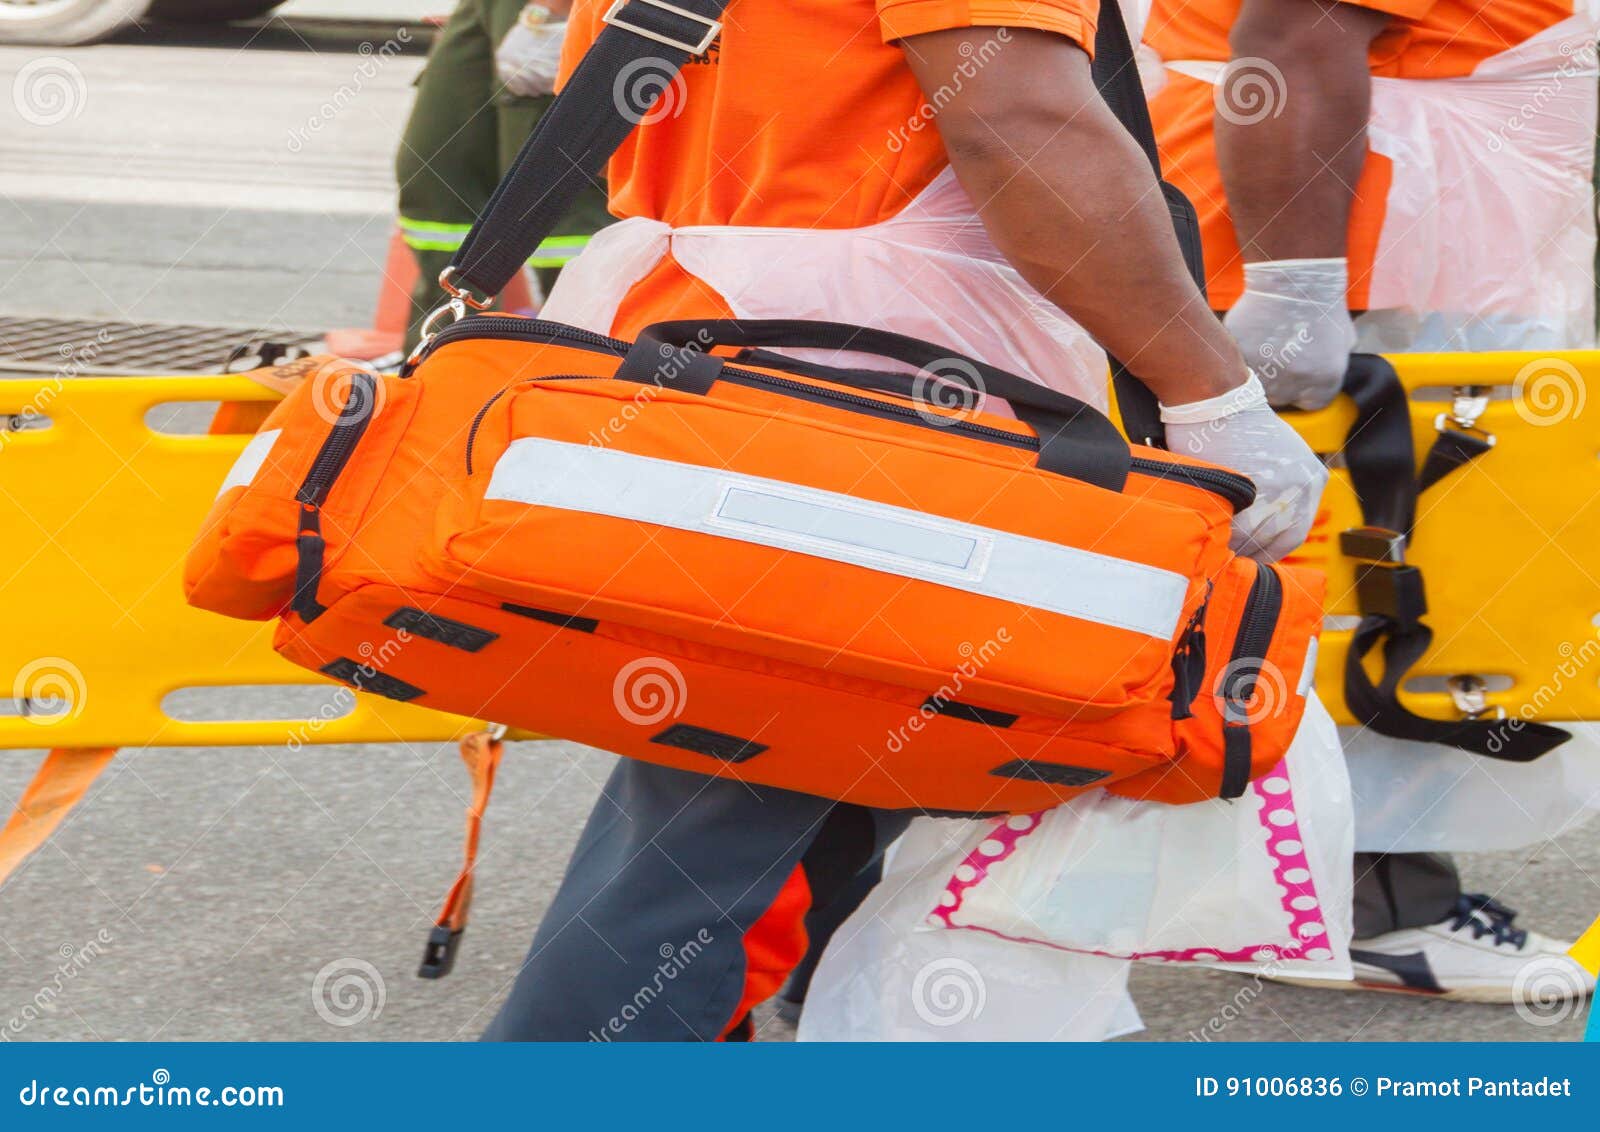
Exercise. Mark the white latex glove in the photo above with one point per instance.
(530, 55)
(1239, 430)
(1294, 326)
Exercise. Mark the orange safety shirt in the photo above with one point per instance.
(804, 114)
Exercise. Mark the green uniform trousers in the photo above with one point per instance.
(463, 133)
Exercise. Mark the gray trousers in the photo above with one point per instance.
(1403, 890)
(654, 931)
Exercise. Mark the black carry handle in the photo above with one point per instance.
(1075, 439)
(586, 124)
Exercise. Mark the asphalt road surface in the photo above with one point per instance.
(203, 891)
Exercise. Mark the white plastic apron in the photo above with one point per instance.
(1527, 118)
(1488, 235)
(930, 272)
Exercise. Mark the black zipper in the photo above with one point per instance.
(348, 428)
(1261, 610)
(517, 330)
(477, 419)
(1236, 489)
(483, 409)
(346, 433)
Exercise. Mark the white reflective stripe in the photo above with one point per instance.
(1308, 670)
(825, 524)
(250, 460)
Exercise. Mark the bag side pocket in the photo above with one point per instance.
(264, 528)
(1241, 677)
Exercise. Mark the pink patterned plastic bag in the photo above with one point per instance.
(1259, 884)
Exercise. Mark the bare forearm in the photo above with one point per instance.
(1290, 173)
(1080, 216)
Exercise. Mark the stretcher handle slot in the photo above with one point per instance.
(1075, 439)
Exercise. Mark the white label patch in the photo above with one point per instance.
(840, 526)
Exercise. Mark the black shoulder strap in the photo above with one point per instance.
(1116, 74)
(634, 58)
(643, 46)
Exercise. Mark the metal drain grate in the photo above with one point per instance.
(91, 346)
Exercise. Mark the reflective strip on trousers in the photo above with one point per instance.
(433, 236)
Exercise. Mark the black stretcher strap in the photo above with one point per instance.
(1381, 456)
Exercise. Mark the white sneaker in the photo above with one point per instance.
(1474, 955)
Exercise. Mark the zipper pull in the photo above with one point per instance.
(1189, 663)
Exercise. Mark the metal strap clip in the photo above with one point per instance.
(447, 282)
(1468, 406)
(1470, 694)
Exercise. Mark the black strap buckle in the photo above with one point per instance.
(439, 956)
(1373, 544)
(713, 28)
(1385, 585)
(1395, 592)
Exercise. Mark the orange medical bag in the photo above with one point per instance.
(755, 567)
(799, 577)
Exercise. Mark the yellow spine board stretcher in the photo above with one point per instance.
(96, 513)
(1587, 950)
(98, 510)
(1509, 545)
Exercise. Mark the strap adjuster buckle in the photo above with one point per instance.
(1394, 592)
(1376, 545)
(713, 27)
(1385, 585)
